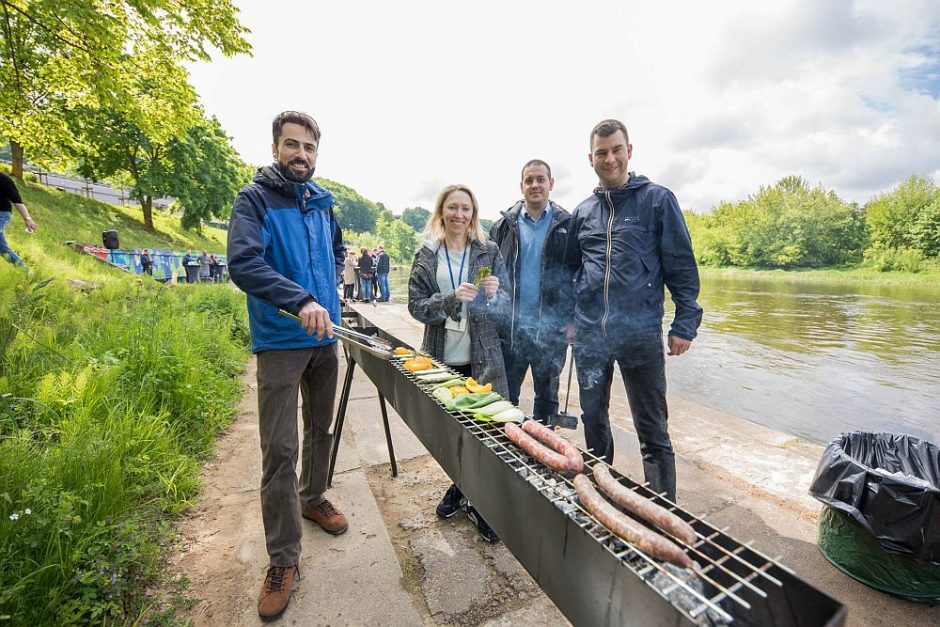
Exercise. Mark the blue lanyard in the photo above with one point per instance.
(451, 270)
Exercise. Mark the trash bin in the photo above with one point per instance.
(881, 523)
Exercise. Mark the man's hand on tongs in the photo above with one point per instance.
(316, 319)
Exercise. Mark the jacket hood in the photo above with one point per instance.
(635, 183)
(316, 197)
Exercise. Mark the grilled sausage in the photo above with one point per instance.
(625, 527)
(555, 442)
(541, 454)
(642, 507)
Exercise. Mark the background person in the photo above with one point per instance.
(9, 198)
(205, 261)
(459, 318)
(146, 262)
(349, 275)
(382, 267)
(366, 274)
(531, 236)
(625, 242)
(286, 256)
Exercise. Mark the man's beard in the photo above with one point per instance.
(290, 175)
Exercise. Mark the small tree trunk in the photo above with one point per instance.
(147, 205)
(17, 151)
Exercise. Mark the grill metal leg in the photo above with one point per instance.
(388, 437)
(341, 415)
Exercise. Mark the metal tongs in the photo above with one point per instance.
(369, 343)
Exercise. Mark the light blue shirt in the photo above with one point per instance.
(531, 243)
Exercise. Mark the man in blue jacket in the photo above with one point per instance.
(285, 251)
(625, 242)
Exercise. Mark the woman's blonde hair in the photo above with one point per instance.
(434, 230)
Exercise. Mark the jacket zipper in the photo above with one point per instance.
(610, 226)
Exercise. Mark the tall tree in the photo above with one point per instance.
(398, 238)
(354, 212)
(56, 55)
(207, 173)
(416, 217)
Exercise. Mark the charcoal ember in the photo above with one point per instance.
(566, 506)
(681, 597)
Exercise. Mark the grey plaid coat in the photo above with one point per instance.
(427, 305)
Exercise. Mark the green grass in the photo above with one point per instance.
(930, 276)
(109, 401)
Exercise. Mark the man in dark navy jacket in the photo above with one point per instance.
(285, 251)
(625, 242)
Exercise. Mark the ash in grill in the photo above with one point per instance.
(593, 576)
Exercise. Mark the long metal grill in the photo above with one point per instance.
(732, 583)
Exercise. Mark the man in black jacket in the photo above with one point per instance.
(531, 236)
(382, 267)
(625, 242)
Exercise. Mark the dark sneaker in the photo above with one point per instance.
(452, 502)
(328, 517)
(486, 532)
(275, 592)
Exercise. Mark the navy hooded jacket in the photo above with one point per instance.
(285, 248)
(623, 246)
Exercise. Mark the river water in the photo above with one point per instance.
(811, 359)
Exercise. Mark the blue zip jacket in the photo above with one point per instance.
(623, 246)
(285, 248)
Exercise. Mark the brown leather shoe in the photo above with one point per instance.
(275, 592)
(327, 516)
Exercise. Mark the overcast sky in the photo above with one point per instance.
(719, 98)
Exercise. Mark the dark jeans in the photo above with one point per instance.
(365, 289)
(348, 290)
(546, 359)
(384, 292)
(642, 363)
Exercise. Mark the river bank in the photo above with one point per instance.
(400, 565)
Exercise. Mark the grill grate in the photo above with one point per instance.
(723, 565)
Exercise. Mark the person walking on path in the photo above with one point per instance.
(460, 317)
(146, 262)
(531, 236)
(286, 252)
(382, 267)
(625, 242)
(9, 198)
(349, 275)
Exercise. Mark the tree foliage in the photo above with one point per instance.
(789, 225)
(416, 218)
(398, 238)
(906, 217)
(57, 55)
(354, 212)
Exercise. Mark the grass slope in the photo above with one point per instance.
(110, 398)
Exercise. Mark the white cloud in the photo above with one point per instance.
(719, 99)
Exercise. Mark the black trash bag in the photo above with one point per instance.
(890, 485)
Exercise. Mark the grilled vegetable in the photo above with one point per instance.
(513, 414)
(434, 375)
(443, 395)
(477, 388)
(458, 390)
(456, 381)
(418, 363)
(401, 350)
(476, 401)
(492, 409)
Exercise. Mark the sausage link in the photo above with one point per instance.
(541, 454)
(557, 443)
(625, 527)
(642, 507)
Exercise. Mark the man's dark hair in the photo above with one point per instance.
(606, 128)
(536, 162)
(294, 117)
